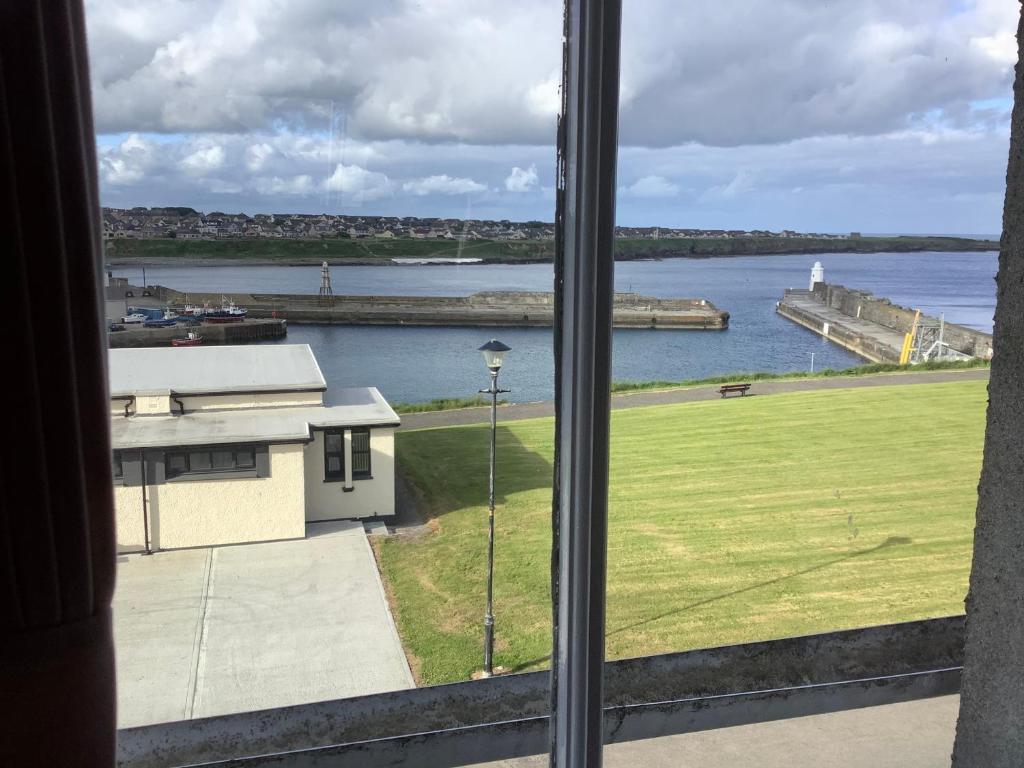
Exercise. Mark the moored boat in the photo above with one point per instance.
(192, 340)
(229, 312)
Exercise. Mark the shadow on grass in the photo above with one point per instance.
(892, 541)
(462, 458)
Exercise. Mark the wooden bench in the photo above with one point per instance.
(725, 389)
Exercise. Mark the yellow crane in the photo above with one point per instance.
(908, 340)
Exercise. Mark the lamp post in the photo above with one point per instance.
(494, 355)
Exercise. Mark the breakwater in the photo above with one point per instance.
(213, 334)
(498, 309)
(871, 327)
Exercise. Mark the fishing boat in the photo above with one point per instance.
(193, 311)
(229, 312)
(134, 318)
(170, 318)
(192, 340)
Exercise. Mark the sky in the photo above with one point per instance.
(877, 116)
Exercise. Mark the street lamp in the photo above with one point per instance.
(494, 356)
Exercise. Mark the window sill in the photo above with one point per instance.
(334, 479)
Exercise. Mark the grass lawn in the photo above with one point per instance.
(730, 521)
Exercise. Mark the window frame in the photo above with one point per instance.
(117, 466)
(212, 472)
(366, 474)
(334, 477)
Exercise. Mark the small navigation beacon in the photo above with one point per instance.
(817, 275)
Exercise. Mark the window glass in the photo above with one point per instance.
(245, 458)
(118, 466)
(334, 455)
(199, 460)
(360, 453)
(176, 464)
(223, 459)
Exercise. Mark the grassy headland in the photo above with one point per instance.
(170, 251)
(729, 521)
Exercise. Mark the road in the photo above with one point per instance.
(688, 395)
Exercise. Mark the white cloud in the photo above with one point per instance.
(471, 71)
(357, 183)
(740, 184)
(443, 184)
(520, 180)
(128, 163)
(651, 186)
(925, 180)
(204, 160)
(257, 154)
(296, 185)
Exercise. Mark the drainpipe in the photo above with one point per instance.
(145, 505)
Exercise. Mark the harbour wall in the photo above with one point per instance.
(868, 347)
(871, 327)
(883, 312)
(499, 309)
(213, 334)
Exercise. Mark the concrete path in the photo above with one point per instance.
(688, 394)
(918, 734)
(212, 631)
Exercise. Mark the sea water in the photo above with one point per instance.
(415, 364)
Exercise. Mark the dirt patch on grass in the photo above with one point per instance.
(412, 514)
(414, 662)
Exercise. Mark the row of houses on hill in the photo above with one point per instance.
(189, 224)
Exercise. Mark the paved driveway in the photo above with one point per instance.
(212, 631)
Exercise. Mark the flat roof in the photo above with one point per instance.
(356, 407)
(205, 370)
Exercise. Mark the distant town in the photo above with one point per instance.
(188, 224)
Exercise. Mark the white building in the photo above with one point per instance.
(223, 445)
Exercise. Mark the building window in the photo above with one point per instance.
(215, 460)
(361, 454)
(118, 466)
(334, 455)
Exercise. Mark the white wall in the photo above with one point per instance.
(151, 404)
(195, 403)
(195, 513)
(368, 498)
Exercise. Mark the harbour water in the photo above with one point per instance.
(417, 364)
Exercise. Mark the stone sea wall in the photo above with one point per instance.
(863, 305)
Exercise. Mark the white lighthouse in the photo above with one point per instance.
(817, 275)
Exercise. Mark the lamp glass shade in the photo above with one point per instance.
(494, 353)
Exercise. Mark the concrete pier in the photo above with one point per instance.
(870, 327)
(499, 309)
(213, 334)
